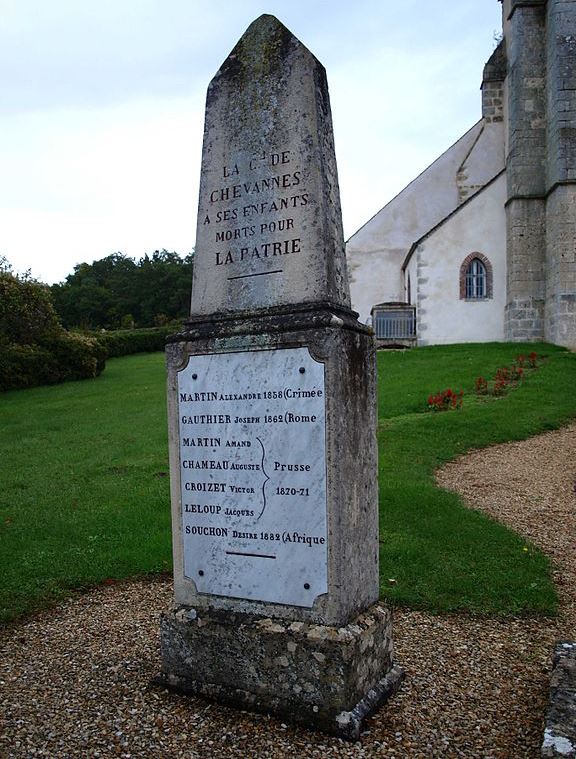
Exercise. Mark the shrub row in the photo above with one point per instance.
(34, 347)
(62, 357)
(122, 342)
(72, 356)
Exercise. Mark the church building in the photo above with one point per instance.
(482, 245)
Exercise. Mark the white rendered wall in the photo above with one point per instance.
(486, 159)
(442, 317)
(376, 252)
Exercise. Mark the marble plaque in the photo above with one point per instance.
(253, 475)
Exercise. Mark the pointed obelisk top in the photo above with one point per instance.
(269, 222)
(260, 51)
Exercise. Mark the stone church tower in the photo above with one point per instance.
(540, 87)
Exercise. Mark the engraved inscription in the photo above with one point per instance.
(251, 219)
(253, 475)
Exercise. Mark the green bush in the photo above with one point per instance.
(34, 348)
(27, 315)
(61, 358)
(122, 342)
(23, 365)
(78, 356)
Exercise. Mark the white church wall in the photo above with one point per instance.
(375, 253)
(486, 159)
(442, 315)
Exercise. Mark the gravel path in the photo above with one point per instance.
(74, 681)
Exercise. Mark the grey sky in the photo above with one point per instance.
(102, 107)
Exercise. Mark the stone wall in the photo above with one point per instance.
(561, 266)
(526, 239)
(525, 165)
(541, 168)
(561, 174)
(561, 90)
(560, 733)
(493, 86)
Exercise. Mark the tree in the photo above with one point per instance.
(5, 265)
(34, 347)
(27, 314)
(164, 285)
(116, 290)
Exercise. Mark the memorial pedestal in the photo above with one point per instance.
(321, 676)
(322, 657)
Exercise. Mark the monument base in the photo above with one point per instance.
(328, 678)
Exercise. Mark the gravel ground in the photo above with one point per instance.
(74, 681)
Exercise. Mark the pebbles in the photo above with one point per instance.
(75, 681)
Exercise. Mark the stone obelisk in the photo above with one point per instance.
(272, 415)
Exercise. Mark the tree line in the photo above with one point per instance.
(120, 292)
(43, 336)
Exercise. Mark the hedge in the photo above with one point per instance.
(72, 355)
(122, 342)
(60, 358)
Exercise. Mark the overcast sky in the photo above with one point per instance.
(102, 108)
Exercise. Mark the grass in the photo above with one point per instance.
(85, 487)
(443, 556)
(85, 494)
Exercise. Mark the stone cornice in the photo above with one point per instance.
(525, 4)
(543, 195)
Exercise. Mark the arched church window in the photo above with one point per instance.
(475, 278)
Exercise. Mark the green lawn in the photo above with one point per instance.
(85, 486)
(443, 556)
(85, 492)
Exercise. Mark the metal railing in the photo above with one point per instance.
(395, 325)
